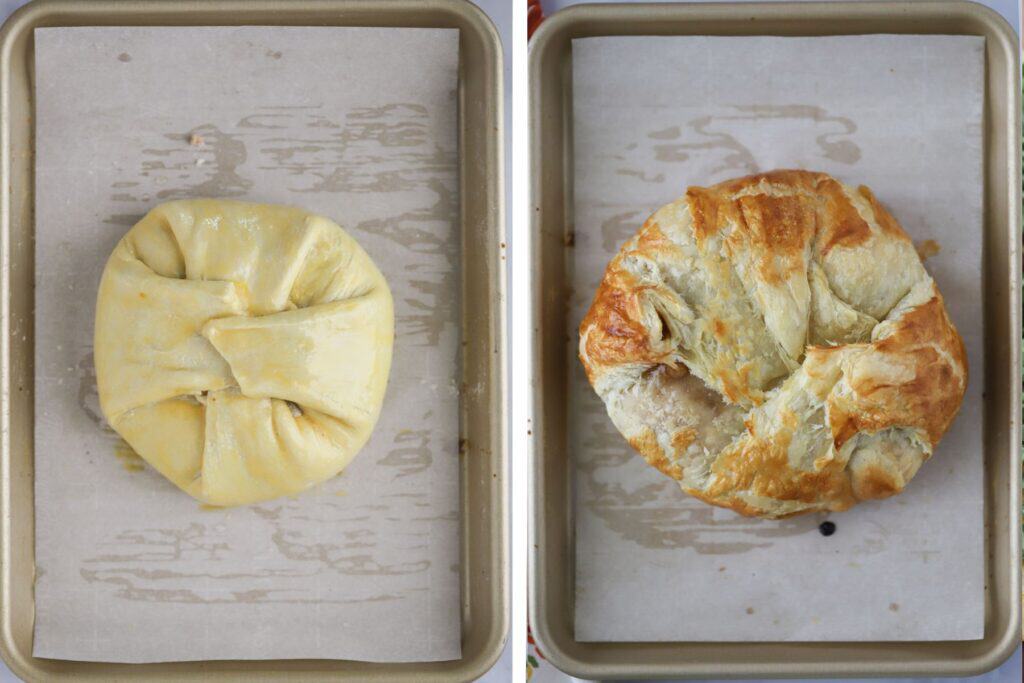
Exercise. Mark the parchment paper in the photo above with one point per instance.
(901, 114)
(356, 124)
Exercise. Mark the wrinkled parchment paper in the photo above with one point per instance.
(901, 114)
(356, 124)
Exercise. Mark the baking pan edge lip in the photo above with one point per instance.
(812, 9)
(557, 23)
(21, 20)
(483, 24)
(1003, 647)
(548, 35)
(995, 21)
(479, 22)
(557, 656)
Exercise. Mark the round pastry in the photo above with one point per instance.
(242, 349)
(774, 344)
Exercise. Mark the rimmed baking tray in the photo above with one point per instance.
(484, 502)
(551, 525)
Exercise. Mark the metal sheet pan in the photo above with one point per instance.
(483, 459)
(551, 524)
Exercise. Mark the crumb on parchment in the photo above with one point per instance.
(927, 248)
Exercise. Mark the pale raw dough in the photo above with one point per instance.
(242, 349)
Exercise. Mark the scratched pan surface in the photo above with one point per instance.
(484, 543)
(552, 544)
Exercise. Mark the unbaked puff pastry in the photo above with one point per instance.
(242, 349)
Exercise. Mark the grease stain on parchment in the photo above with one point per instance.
(126, 220)
(618, 228)
(431, 309)
(127, 587)
(89, 402)
(222, 155)
(162, 545)
(720, 138)
(833, 144)
(379, 149)
(130, 460)
(734, 156)
(269, 121)
(413, 454)
(88, 394)
(416, 230)
(159, 565)
(641, 175)
(293, 546)
(670, 133)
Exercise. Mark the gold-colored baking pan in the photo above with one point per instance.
(483, 465)
(551, 524)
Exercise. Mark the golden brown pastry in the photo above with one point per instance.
(774, 344)
(242, 349)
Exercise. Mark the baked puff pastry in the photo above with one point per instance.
(242, 349)
(774, 344)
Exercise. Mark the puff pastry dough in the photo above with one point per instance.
(775, 345)
(242, 349)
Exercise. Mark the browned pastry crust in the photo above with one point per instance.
(775, 345)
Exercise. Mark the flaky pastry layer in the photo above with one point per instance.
(775, 344)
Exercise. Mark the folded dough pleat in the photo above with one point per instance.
(262, 246)
(332, 358)
(737, 353)
(912, 376)
(169, 436)
(770, 247)
(318, 444)
(833, 321)
(148, 345)
(257, 449)
(336, 268)
(857, 241)
(785, 458)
